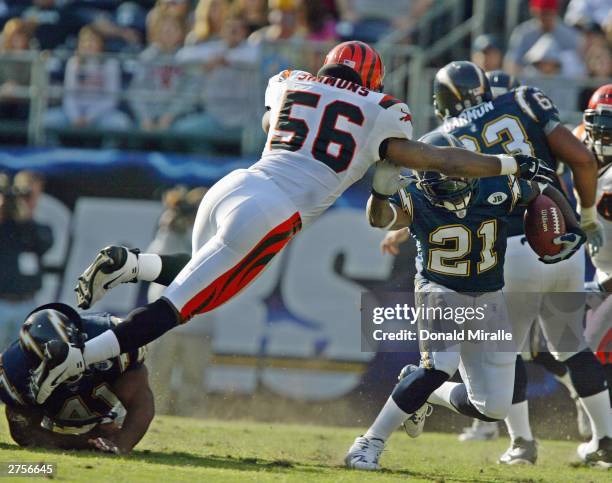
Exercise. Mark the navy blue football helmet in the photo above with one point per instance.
(501, 82)
(451, 193)
(459, 86)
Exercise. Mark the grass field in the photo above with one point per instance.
(182, 449)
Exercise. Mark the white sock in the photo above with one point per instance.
(597, 407)
(149, 266)
(441, 396)
(566, 380)
(101, 348)
(388, 420)
(517, 421)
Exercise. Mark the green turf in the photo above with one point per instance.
(182, 449)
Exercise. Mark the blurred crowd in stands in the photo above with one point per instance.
(177, 41)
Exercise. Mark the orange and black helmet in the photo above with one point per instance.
(361, 58)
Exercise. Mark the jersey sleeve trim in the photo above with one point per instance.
(387, 101)
(523, 104)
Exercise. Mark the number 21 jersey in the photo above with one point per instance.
(324, 135)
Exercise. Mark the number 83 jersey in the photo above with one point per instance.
(465, 254)
(324, 135)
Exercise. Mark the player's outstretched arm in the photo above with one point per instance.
(384, 214)
(133, 390)
(461, 162)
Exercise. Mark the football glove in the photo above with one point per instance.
(570, 242)
(112, 266)
(593, 229)
(388, 179)
(534, 169)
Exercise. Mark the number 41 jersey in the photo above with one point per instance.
(324, 135)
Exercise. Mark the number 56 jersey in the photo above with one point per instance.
(324, 135)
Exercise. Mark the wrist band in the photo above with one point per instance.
(588, 213)
(508, 164)
(393, 220)
(379, 196)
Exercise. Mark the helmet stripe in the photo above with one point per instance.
(30, 343)
(58, 325)
(373, 63)
(446, 80)
(359, 63)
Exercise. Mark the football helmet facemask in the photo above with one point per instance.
(451, 193)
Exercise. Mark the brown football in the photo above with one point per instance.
(543, 223)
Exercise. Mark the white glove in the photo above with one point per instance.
(388, 179)
(593, 229)
(112, 266)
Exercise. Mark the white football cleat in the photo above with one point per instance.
(364, 454)
(596, 453)
(480, 431)
(416, 421)
(112, 266)
(520, 452)
(62, 361)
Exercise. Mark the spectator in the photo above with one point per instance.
(370, 20)
(22, 244)
(544, 21)
(315, 23)
(255, 13)
(179, 9)
(228, 87)
(52, 21)
(209, 18)
(582, 12)
(282, 17)
(15, 73)
(166, 86)
(92, 85)
(548, 65)
(486, 53)
(123, 29)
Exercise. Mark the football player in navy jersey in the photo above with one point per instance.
(109, 407)
(460, 226)
(526, 120)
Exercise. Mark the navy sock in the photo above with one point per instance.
(460, 400)
(587, 373)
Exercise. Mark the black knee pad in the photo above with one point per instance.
(460, 400)
(520, 381)
(587, 373)
(413, 390)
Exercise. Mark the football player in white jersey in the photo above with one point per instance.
(596, 133)
(324, 132)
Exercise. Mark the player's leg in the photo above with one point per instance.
(252, 220)
(562, 324)
(407, 405)
(524, 279)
